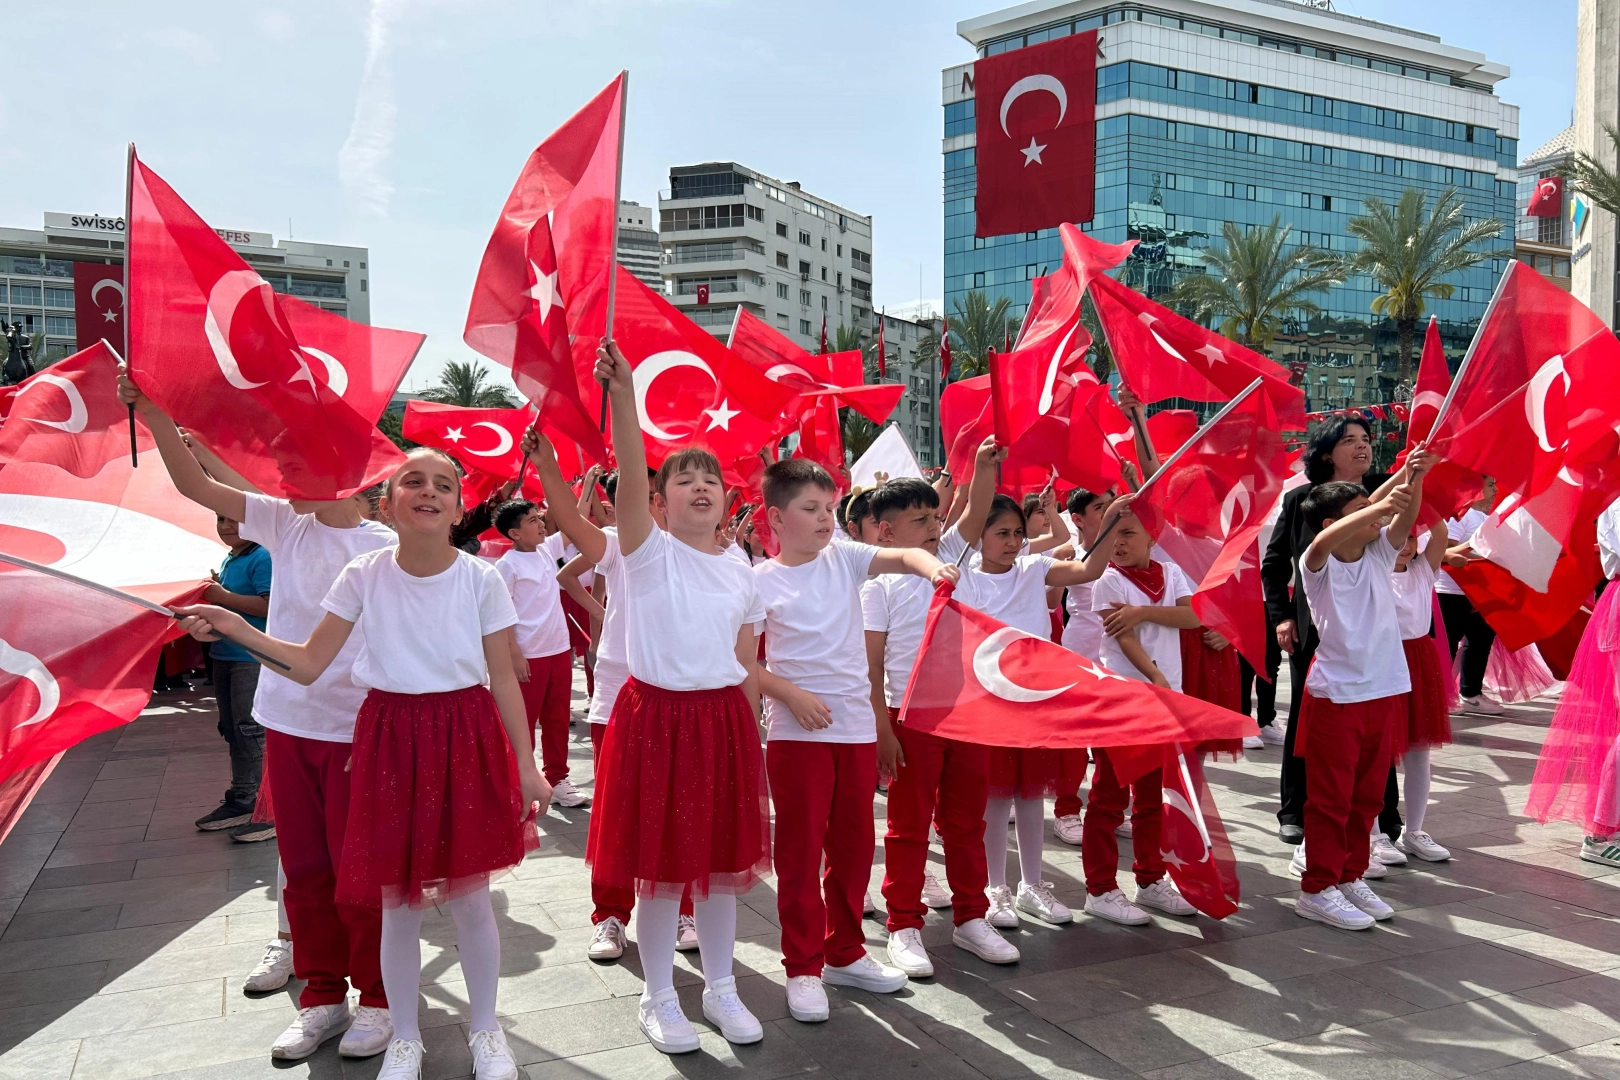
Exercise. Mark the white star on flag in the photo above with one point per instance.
(721, 417)
(1172, 859)
(544, 291)
(1100, 672)
(110, 316)
(454, 434)
(1032, 153)
(1212, 354)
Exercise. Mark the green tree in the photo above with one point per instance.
(977, 326)
(1408, 248)
(1102, 354)
(1255, 280)
(466, 383)
(1594, 179)
(391, 424)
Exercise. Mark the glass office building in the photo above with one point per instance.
(1242, 111)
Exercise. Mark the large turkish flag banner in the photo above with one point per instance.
(1036, 136)
(98, 304)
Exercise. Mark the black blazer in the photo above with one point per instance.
(1289, 540)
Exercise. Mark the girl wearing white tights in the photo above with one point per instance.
(444, 784)
(1428, 708)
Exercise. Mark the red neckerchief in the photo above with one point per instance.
(1149, 578)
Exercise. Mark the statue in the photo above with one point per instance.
(19, 365)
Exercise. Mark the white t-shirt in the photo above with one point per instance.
(1608, 538)
(1459, 531)
(1083, 633)
(1161, 643)
(897, 605)
(612, 667)
(1353, 606)
(1017, 598)
(421, 635)
(306, 558)
(531, 580)
(684, 608)
(1414, 598)
(814, 640)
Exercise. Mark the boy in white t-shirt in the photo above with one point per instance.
(821, 742)
(1356, 689)
(542, 657)
(1083, 634)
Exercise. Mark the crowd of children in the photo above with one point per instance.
(730, 690)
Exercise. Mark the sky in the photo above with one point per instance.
(400, 125)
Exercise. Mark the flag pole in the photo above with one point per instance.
(1473, 345)
(613, 247)
(129, 228)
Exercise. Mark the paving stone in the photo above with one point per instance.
(1478, 1036)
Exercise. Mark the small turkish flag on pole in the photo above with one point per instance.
(1547, 200)
(1036, 135)
(703, 294)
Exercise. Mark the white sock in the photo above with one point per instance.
(1031, 827)
(1416, 784)
(717, 934)
(401, 963)
(281, 904)
(656, 918)
(995, 839)
(478, 943)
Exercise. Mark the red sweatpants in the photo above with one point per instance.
(1099, 849)
(1346, 750)
(823, 794)
(333, 944)
(545, 700)
(609, 902)
(944, 781)
(1071, 774)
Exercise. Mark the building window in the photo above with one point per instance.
(804, 297)
(804, 327)
(681, 219)
(840, 251)
(782, 259)
(823, 273)
(804, 269)
(58, 297)
(781, 290)
(781, 228)
(24, 294)
(362, 284)
(59, 325)
(362, 266)
(824, 299)
(823, 243)
(861, 289)
(861, 259)
(804, 238)
(781, 320)
(755, 213)
(840, 279)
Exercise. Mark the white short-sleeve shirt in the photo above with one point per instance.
(1083, 633)
(1459, 530)
(897, 605)
(1017, 597)
(1608, 538)
(814, 640)
(306, 559)
(612, 667)
(1414, 598)
(531, 580)
(685, 608)
(421, 635)
(1353, 606)
(1161, 643)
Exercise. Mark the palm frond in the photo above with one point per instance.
(1256, 279)
(466, 383)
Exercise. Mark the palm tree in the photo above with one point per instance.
(1406, 249)
(1102, 354)
(1255, 280)
(1594, 179)
(391, 424)
(977, 327)
(466, 383)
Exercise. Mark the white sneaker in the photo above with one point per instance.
(906, 952)
(369, 1034)
(1603, 850)
(1115, 908)
(1329, 906)
(1423, 846)
(1253, 742)
(564, 793)
(310, 1028)
(867, 907)
(933, 893)
(1386, 852)
(865, 973)
(1273, 734)
(1483, 705)
(1163, 896)
(404, 1060)
(725, 1010)
(1068, 829)
(807, 999)
(665, 1025)
(1364, 899)
(607, 943)
(1296, 865)
(492, 1058)
(274, 969)
(1037, 900)
(1001, 913)
(686, 939)
(1125, 827)
(980, 938)
(1376, 871)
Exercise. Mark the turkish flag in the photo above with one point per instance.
(1054, 301)
(821, 439)
(211, 344)
(838, 375)
(1162, 355)
(1169, 429)
(69, 416)
(1101, 440)
(488, 440)
(544, 274)
(362, 364)
(1036, 139)
(98, 304)
(1519, 614)
(1193, 838)
(1547, 200)
(1448, 487)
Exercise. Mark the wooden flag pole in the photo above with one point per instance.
(613, 250)
(129, 198)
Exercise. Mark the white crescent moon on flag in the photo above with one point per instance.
(1548, 187)
(1535, 398)
(503, 441)
(78, 415)
(987, 668)
(111, 545)
(1147, 321)
(223, 300)
(1052, 370)
(1028, 85)
(1432, 399)
(110, 283)
(1173, 797)
(1235, 508)
(25, 665)
(337, 376)
(648, 371)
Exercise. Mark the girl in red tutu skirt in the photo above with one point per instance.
(444, 781)
(680, 792)
(1428, 714)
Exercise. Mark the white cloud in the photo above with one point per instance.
(275, 24)
(193, 44)
(363, 158)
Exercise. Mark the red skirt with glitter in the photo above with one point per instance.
(1025, 774)
(1428, 719)
(435, 806)
(1208, 674)
(680, 795)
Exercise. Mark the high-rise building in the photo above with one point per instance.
(638, 248)
(1216, 111)
(736, 237)
(1543, 242)
(1595, 258)
(911, 357)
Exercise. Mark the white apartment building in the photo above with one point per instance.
(638, 249)
(733, 236)
(912, 358)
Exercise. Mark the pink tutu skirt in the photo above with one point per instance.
(1208, 674)
(1579, 768)
(1025, 774)
(680, 795)
(1428, 708)
(1518, 675)
(435, 807)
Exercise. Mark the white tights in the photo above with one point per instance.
(478, 943)
(281, 904)
(1030, 823)
(1415, 782)
(656, 921)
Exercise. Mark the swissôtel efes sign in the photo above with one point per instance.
(102, 225)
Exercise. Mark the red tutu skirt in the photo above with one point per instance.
(1427, 710)
(680, 795)
(1208, 674)
(1025, 774)
(435, 807)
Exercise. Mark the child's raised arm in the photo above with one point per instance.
(630, 501)
(981, 491)
(560, 498)
(1435, 550)
(1397, 501)
(188, 475)
(1406, 516)
(913, 561)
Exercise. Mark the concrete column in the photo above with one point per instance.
(1597, 102)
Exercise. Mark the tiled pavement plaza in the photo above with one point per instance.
(126, 936)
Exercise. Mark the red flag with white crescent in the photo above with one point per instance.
(1193, 839)
(1448, 485)
(1547, 200)
(69, 415)
(98, 303)
(839, 375)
